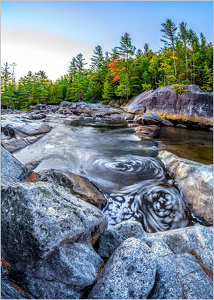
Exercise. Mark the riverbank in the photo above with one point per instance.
(91, 199)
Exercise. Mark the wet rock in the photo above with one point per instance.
(97, 109)
(75, 184)
(196, 182)
(110, 240)
(150, 119)
(149, 130)
(181, 126)
(184, 258)
(128, 274)
(36, 116)
(192, 106)
(167, 123)
(18, 131)
(12, 170)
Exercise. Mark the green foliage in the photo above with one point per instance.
(119, 75)
(179, 88)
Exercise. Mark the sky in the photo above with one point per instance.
(46, 35)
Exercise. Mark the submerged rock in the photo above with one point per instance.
(128, 274)
(192, 106)
(110, 240)
(196, 182)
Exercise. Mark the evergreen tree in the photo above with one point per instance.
(97, 59)
(169, 37)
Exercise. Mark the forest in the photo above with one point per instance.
(119, 74)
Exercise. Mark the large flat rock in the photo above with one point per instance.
(191, 106)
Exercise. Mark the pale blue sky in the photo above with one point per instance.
(47, 34)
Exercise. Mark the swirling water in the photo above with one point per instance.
(122, 166)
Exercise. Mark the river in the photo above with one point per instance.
(123, 167)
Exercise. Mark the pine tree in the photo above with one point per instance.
(126, 48)
(169, 37)
(97, 59)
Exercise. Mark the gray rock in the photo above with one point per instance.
(196, 182)
(110, 240)
(75, 184)
(18, 131)
(181, 126)
(12, 170)
(70, 268)
(128, 274)
(150, 119)
(180, 254)
(167, 123)
(186, 240)
(37, 217)
(192, 106)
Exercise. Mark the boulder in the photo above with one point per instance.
(167, 123)
(74, 184)
(36, 116)
(150, 119)
(128, 274)
(192, 106)
(70, 268)
(37, 217)
(110, 240)
(12, 170)
(196, 182)
(184, 263)
(46, 233)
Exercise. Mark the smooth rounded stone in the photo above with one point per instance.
(76, 184)
(37, 217)
(196, 182)
(128, 274)
(147, 130)
(110, 240)
(193, 105)
(150, 119)
(12, 170)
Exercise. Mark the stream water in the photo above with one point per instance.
(121, 165)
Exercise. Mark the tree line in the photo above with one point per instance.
(120, 74)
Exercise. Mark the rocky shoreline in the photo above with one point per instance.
(55, 239)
